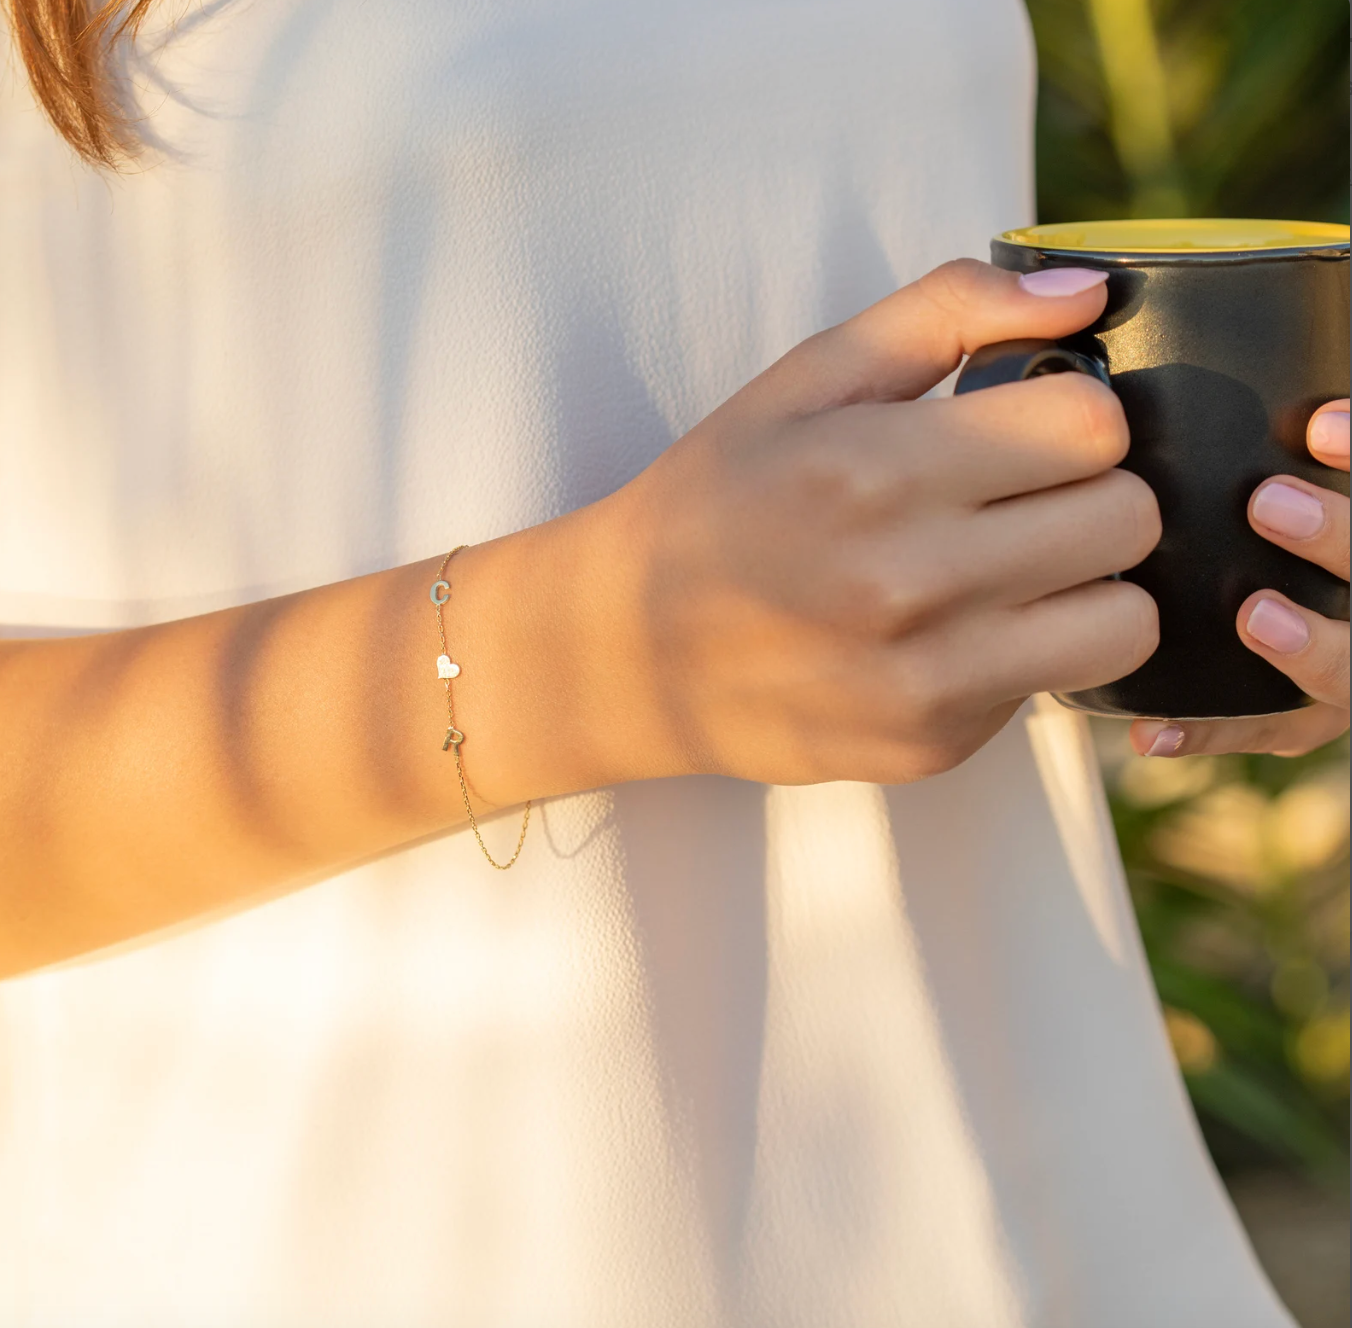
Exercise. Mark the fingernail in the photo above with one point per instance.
(1328, 433)
(1288, 511)
(1167, 741)
(1062, 281)
(1277, 627)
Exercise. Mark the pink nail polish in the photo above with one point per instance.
(1167, 741)
(1062, 281)
(1290, 512)
(1329, 433)
(1277, 627)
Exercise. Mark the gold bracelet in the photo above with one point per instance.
(447, 670)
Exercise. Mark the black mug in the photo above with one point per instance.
(1221, 338)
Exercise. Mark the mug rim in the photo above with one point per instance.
(1254, 240)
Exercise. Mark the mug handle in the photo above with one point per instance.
(1013, 361)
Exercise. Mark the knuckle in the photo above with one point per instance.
(1271, 734)
(1336, 505)
(1263, 737)
(1220, 737)
(1326, 672)
(934, 724)
(808, 377)
(1095, 418)
(822, 476)
(962, 735)
(932, 688)
(1137, 622)
(937, 758)
(814, 476)
(927, 745)
(1279, 744)
(868, 607)
(1138, 515)
(953, 286)
(793, 382)
(835, 468)
(883, 607)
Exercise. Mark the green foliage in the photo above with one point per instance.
(1239, 872)
(1256, 100)
(1238, 866)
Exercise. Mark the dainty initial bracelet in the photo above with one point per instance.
(448, 671)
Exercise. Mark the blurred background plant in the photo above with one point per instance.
(1221, 108)
(1238, 865)
(1239, 870)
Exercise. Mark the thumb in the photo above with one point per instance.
(902, 346)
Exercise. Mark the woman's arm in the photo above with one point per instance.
(825, 579)
(150, 775)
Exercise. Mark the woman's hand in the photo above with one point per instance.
(824, 579)
(1310, 649)
(835, 580)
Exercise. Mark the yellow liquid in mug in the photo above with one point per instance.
(1166, 235)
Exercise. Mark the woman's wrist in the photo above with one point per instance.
(558, 690)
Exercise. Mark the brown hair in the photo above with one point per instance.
(67, 47)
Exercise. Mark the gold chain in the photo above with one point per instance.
(447, 671)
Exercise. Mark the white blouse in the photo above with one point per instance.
(401, 276)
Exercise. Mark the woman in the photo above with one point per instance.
(733, 1042)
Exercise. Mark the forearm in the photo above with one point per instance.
(151, 775)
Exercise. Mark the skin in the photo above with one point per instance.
(1320, 666)
(825, 579)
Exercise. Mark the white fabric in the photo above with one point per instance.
(421, 273)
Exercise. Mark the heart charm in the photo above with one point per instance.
(446, 668)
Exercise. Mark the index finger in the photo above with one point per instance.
(1326, 434)
(1021, 437)
(911, 340)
